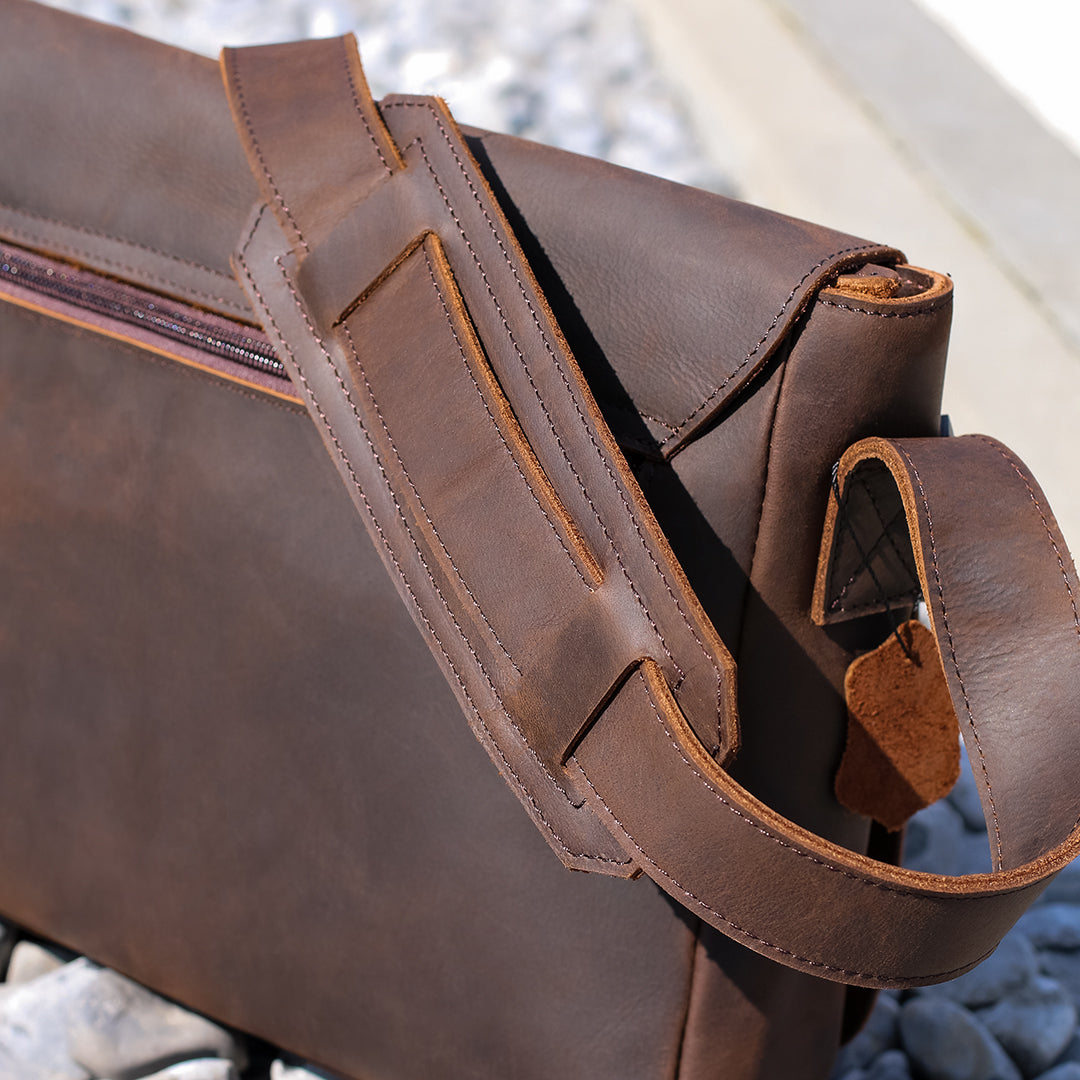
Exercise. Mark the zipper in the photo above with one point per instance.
(117, 301)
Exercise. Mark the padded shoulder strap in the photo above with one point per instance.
(462, 427)
(471, 446)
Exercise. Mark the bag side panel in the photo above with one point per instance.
(855, 369)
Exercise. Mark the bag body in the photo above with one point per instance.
(236, 766)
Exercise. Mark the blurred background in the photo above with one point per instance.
(949, 128)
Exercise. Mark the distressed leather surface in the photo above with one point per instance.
(222, 616)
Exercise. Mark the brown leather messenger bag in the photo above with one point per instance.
(586, 422)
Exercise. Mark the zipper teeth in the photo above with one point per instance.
(86, 289)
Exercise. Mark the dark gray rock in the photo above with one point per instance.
(1052, 926)
(1009, 968)
(1069, 1070)
(975, 854)
(121, 1030)
(934, 839)
(1072, 1050)
(891, 1065)
(1064, 967)
(946, 1042)
(879, 1034)
(938, 842)
(1065, 888)
(1033, 1024)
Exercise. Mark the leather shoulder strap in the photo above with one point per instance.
(471, 446)
(462, 426)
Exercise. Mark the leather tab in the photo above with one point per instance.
(901, 752)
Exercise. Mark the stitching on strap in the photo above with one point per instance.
(498, 429)
(405, 581)
(952, 649)
(405, 523)
(772, 836)
(420, 501)
(239, 84)
(1046, 525)
(360, 111)
(536, 391)
(766, 832)
(577, 408)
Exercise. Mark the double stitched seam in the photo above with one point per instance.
(952, 649)
(525, 367)
(238, 83)
(401, 573)
(139, 275)
(1046, 525)
(115, 239)
(577, 408)
(764, 337)
(360, 111)
(765, 832)
(419, 500)
(498, 429)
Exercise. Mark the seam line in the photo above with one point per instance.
(577, 408)
(741, 930)
(764, 337)
(952, 650)
(405, 581)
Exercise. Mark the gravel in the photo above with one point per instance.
(1015, 1015)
